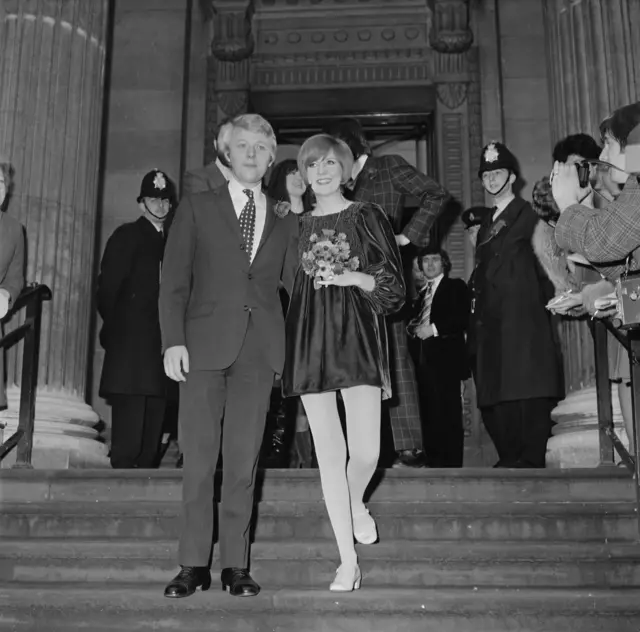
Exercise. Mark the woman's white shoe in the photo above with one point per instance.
(348, 578)
(364, 528)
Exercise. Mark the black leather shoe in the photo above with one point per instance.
(185, 583)
(409, 458)
(238, 582)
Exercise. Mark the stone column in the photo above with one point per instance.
(590, 48)
(229, 65)
(52, 64)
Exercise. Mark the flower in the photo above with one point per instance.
(282, 208)
(496, 228)
(491, 153)
(159, 181)
(329, 254)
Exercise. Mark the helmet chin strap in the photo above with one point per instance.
(162, 218)
(501, 189)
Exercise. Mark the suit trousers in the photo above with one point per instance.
(442, 416)
(520, 430)
(136, 430)
(241, 393)
(404, 406)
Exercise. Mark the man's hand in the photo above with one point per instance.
(592, 292)
(565, 186)
(402, 240)
(176, 360)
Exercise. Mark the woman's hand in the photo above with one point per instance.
(349, 278)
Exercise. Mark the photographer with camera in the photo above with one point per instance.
(609, 237)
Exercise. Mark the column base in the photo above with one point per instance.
(65, 432)
(575, 442)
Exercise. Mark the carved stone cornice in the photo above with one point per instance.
(364, 67)
(450, 32)
(232, 37)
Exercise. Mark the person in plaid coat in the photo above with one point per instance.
(387, 181)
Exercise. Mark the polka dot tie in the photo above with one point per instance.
(248, 222)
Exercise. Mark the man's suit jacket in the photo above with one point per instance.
(209, 288)
(387, 180)
(11, 256)
(604, 236)
(450, 314)
(203, 179)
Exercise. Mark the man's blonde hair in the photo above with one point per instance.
(251, 123)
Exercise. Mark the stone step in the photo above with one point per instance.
(463, 485)
(313, 563)
(104, 608)
(308, 520)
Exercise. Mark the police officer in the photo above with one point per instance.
(516, 356)
(133, 378)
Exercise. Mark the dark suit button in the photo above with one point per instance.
(249, 276)
(241, 246)
(246, 308)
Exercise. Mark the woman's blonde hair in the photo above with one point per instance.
(319, 146)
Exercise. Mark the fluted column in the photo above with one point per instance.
(52, 61)
(591, 47)
(229, 65)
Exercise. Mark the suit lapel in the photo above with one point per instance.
(509, 217)
(227, 211)
(269, 223)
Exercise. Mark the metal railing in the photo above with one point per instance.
(610, 443)
(31, 298)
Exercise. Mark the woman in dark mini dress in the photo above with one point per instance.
(337, 341)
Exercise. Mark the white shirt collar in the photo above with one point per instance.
(435, 281)
(236, 188)
(358, 166)
(500, 206)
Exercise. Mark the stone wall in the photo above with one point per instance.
(515, 95)
(144, 115)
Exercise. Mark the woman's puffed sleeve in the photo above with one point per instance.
(381, 259)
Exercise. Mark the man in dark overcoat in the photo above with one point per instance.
(388, 181)
(223, 339)
(517, 360)
(133, 378)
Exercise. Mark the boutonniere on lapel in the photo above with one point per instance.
(369, 172)
(282, 208)
(496, 227)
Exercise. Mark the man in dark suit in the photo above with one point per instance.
(216, 173)
(133, 378)
(517, 361)
(437, 332)
(223, 339)
(388, 181)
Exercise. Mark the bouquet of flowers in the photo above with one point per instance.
(329, 255)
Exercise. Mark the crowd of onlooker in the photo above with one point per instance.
(562, 254)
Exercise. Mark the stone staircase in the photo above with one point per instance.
(460, 551)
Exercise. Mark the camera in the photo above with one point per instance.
(584, 171)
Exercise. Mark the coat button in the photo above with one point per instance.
(249, 276)
(246, 308)
(241, 246)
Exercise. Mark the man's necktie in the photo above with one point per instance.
(248, 222)
(425, 312)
